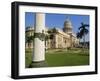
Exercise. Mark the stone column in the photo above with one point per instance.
(38, 59)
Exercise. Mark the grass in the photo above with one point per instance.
(62, 57)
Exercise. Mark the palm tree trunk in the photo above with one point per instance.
(84, 41)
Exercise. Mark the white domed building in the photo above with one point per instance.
(64, 38)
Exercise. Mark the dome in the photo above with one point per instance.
(67, 24)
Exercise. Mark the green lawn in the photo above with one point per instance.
(62, 57)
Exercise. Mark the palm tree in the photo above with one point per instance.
(83, 31)
(79, 36)
(54, 30)
(29, 40)
(51, 34)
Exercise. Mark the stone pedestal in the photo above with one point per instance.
(38, 64)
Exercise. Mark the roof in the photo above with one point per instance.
(67, 24)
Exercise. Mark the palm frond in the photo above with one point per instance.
(83, 26)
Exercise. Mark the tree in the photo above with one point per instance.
(52, 32)
(29, 40)
(50, 35)
(79, 36)
(83, 31)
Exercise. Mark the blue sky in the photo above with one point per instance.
(57, 20)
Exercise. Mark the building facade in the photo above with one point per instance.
(64, 38)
